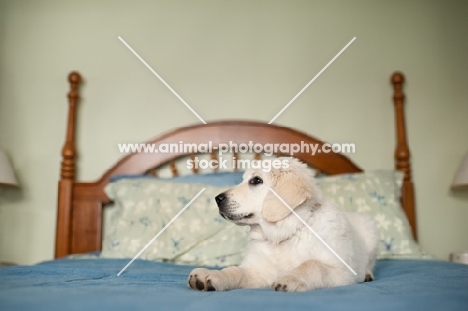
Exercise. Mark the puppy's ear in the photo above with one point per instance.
(292, 188)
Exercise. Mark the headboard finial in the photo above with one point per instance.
(74, 77)
(402, 153)
(398, 78)
(68, 151)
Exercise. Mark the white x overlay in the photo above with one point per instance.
(203, 121)
(313, 231)
(160, 232)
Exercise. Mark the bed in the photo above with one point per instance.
(90, 281)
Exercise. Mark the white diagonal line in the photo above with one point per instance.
(161, 79)
(160, 232)
(313, 79)
(313, 231)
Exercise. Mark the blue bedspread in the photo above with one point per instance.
(93, 284)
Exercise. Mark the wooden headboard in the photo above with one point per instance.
(79, 215)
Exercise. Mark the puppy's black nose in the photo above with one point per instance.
(220, 198)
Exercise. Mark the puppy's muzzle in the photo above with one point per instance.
(227, 211)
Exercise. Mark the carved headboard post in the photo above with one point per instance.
(67, 173)
(402, 153)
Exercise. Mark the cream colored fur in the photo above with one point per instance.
(283, 253)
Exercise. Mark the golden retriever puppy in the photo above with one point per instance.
(283, 253)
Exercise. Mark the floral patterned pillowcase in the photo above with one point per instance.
(199, 236)
(376, 193)
(142, 207)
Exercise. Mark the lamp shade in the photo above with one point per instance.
(7, 176)
(461, 177)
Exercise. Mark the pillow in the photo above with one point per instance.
(199, 236)
(376, 193)
(219, 179)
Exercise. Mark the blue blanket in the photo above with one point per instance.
(93, 284)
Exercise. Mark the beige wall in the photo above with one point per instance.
(230, 59)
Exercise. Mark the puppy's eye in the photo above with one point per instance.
(255, 181)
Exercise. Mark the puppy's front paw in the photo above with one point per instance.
(369, 276)
(289, 283)
(203, 280)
